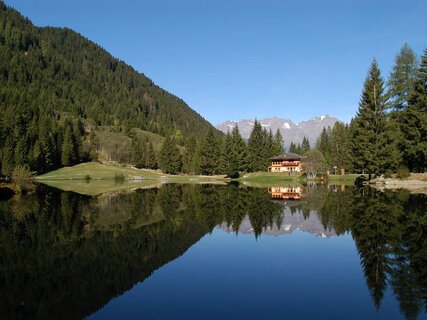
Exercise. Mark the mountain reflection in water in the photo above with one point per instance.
(65, 255)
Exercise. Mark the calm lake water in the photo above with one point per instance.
(214, 252)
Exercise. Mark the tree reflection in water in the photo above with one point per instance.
(65, 255)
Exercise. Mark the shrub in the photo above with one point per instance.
(388, 174)
(119, 178)
(87, 178)
(403, 173)
(23, 179)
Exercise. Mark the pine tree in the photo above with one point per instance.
(209, 154)
(305, 146)
(188, 159)
(340, 146)
(369, 126)
(402, 78)
(256, 148)
(324, 145)
(229, 163)
(278, 148)
(67, 155)
(170, 157)
(240, 149)
(414, 123)
(138, 148)
(151, 159)
(292, 148)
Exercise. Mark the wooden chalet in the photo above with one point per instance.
(290, 162)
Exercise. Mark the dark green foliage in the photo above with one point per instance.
(305, 145)
(260, 148)
(278, 148)
(188, 163)
(240, 149)
(229, 163)
(151, 159)
(403, 173)
(49, 74)
(68, 149)
(402, 78)
(413, 123)
(170, 157)
(324, 145)
(374, 148)
(340, 153)
(208, 155)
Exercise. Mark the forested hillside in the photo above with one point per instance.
(53, 80)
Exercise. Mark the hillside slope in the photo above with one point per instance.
(56, 70)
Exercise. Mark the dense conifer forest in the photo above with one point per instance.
(56, 87)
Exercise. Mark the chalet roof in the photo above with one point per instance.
(287, 157)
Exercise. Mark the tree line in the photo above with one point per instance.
(389, 131)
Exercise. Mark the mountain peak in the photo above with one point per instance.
(291, 132)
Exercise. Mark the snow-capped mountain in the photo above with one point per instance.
(291, 132)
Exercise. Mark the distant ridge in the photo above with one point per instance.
(291, 132)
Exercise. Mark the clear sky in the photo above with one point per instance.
(234, 59)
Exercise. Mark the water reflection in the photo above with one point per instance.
(65, 255)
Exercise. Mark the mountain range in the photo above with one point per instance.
(291, 132)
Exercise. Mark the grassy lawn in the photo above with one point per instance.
(102, 178)
(97, 171)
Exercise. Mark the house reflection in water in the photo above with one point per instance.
(289, 192)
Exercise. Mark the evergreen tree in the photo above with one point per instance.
(256, 148)
(402, 78)
(170, 157)
(414, 123)
(209, 154)
(151, 159)
(340, 154)
(229, 163)
(67, 156)
(369, 136)
(240, 149)
(305, 146)
(188, 159)
(278, 148)
(324, 145)
(293, 148)
(138, 147)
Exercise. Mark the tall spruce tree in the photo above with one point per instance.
(256, 148)
(188, 159)
(229, 163)
(67, 155)
(170, 157)
(369, 136)
(305, 146)
(240, 149)
(151, 158)
(278, 148)
(402, 79)
(340, 154)
(209, 154)
(324, 145)
(414, 123)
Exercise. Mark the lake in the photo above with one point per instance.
(214, 252)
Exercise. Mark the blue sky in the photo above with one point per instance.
(234, 59)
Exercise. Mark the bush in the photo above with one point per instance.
(23, 179)
(388, 174)
(119, 178)
(87, 178)
(403, 173)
